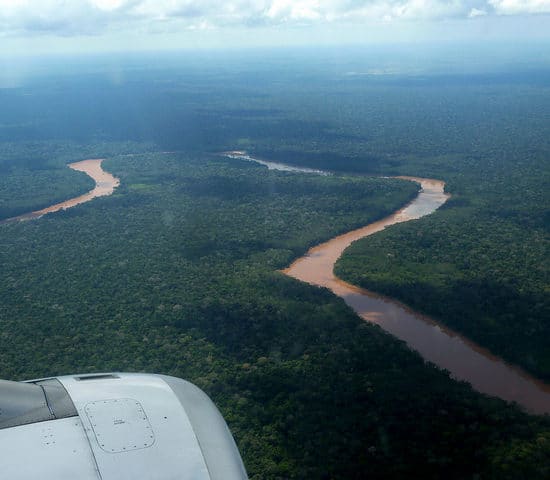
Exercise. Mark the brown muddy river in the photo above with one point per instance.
(440, 345)
(105, 184)
(436, 343)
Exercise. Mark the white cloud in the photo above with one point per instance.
(520, 7)
(72, 17)
(108, 4)
(289, 10)
(476, 12)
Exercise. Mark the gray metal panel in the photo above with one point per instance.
(53, 450)
(130, 429)
(22, 403)
(190, 441)
(58, 399)
(216, 442)
(175, 453)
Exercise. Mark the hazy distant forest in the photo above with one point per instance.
(177, 272)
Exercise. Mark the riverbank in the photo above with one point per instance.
(438, 344)
(105, 184)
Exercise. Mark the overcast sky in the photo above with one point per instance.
(34, 26)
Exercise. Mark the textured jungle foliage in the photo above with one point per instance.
(177, 272)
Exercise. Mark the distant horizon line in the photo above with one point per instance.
(419, 46)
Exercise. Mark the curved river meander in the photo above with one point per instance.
(440, 345)
(105, 184)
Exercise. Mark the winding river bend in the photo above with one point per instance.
(438, 344)
(105, 184)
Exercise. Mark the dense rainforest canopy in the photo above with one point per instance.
(177, 272)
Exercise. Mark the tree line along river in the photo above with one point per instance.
(436, 343)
